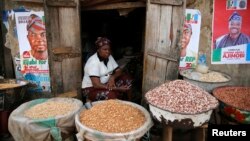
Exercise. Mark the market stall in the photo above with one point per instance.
(12, 93)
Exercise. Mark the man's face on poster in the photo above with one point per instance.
(235, 26)
(186, 38)
(37, 39)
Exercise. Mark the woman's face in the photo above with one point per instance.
(104, 51)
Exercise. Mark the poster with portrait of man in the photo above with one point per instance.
(190, 39)
(231, 32)
(32, 42)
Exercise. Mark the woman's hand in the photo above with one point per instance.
(123, 88)
(111, 83)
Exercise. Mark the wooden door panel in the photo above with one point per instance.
(164, 21)
(156, 66)
(63, 28)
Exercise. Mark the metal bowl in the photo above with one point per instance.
(179, 120)
(207, 86)
(234, 112)
(10, 98)
(12, 94)
(19, 83)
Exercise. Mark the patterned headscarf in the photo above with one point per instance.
(102, 41)
(35, 23)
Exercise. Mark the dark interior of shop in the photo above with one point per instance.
(126, 33)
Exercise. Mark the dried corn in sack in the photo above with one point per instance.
(44, 119)
(114, 120)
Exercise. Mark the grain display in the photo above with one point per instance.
(50, 109)
(112, 116)
(180, 96)
(238, 97)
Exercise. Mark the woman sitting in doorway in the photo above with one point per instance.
(103, 79)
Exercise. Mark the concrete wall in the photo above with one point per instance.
(240, 73)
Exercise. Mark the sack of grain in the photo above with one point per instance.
(44, 119)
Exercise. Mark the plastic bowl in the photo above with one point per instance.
(231, 110)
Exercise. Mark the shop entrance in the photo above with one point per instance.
(126, 32)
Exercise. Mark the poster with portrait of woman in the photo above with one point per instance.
(32, 42)
(231, 34)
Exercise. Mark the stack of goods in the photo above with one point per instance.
(234, 102)
(51, 119)
(181, 104)
(113, 119)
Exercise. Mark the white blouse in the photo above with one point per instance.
(95, 67)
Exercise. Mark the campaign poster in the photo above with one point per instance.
(190, 39)
(231, 32)
(33, 49)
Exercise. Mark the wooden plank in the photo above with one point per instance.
(161, 55)
(29, 1)
(123, 5)
(164, 41)
(198, 134)
(70, 94)
(71, 73)
(151, 36)
(61, 3)
(161, 65)
(69, 30)
(167, 133)
(53, 40)
(151, 78)
(172, 71)
(87, 3)
(176, 30)
(157, 46)
(167, 2)
(64, 31)
(62, 50)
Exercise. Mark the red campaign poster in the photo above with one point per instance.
(231, 32)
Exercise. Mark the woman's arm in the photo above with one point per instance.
(111, 82)
(97, 83)
(117, 72)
